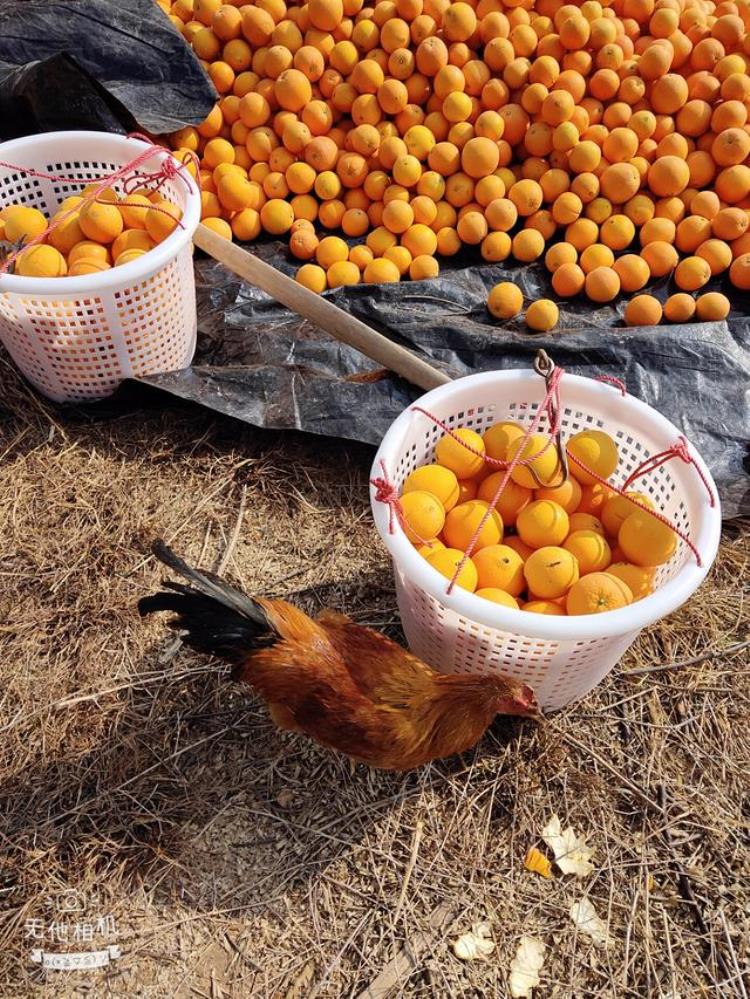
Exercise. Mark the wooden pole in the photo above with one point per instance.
(329, 317)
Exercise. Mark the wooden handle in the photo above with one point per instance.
(329, 317)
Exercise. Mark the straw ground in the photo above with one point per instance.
(237, 861)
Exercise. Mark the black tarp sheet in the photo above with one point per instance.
(96, 64)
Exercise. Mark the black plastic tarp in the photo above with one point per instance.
(263, 364)
(96, 64)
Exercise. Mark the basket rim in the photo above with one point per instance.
(127, 274)
(609, 624)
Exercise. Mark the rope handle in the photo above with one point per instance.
(168, 170)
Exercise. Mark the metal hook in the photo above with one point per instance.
(545, 366)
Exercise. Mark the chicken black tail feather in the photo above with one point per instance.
(215, 617)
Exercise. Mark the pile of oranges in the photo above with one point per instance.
(551, 545)
(608, 138)
(85, 236)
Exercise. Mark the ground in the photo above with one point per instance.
(138, 782)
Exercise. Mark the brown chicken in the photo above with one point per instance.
(347, 687)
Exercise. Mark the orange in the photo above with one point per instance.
(716, 253)
(423, 267)
(668, 175)
(550, 572)
(462, 453)
(462, 524)
(633, 272)
(101, 223)
(559, 254)
(400, 256)
(433, 545)
(41, 261)
(343, 272)
(542, 522)
(497, 597)
(661, 258)
(602, 284)
(712, 306)
(498, 438)
(303, 244)
(398, 216)
(679, 308)
(501, 214)
(638, 579)
(511, 500)
(568, 280)
(422, 513)
(479, 157)
(528, 245)
(596, 593)
(729, 223)
(597, 451)
(568, 495)
(692, 273)
(472, 228)
(617, 508)
(617, 232)
(620, 182)
(447, 560)
(646, 541)
(643, 310)
(381, 272)
(544, 607)
(585, 522)
(540, 468)
(596, 255)
(527, 196)
(739, 272)
(542, 315)
(312, 277)
(496, 246)
(590, 550)
(501, 568)
(330, 250)
(419, 239)
(435, 479)
(505, 300)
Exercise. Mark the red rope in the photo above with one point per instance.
(167, 170)
(611, 380)
(678, 450)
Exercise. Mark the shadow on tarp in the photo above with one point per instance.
(263, 364)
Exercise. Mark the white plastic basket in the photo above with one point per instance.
(562, 658)
(76, 338)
